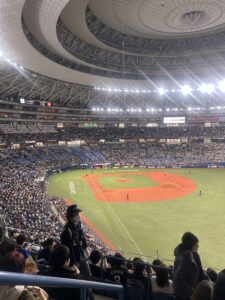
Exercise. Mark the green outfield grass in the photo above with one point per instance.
(153, 227)
(135, 181)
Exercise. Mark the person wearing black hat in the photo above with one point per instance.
(188, 270)
(73, 237)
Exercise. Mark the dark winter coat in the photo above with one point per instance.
(187, 273)
(73, 237)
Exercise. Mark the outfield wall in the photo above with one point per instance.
(65, 168)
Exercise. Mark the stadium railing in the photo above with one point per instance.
(8, 278)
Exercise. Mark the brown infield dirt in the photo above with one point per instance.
(170, 187)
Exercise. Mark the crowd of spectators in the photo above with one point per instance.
(27, 210)
(23, 133)
(185, 280)
(162, 155)
(23, 200)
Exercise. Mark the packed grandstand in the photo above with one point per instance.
(95, 85)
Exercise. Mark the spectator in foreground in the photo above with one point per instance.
(139, 277)
(117, 270)
(73, 237)
(46, 251)
(21, 242)
(60, 261)
(161, 282)
(95, 258)
(188, 270)
(7, 245)
(219, 287)
(31, 266)
(15, 262)
(203, 291)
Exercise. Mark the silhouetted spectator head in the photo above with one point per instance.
(60, 257)
(203, 291)
(48, 243)
(116, 261)
(190, 241)
(20, 240)
(72, 212)
(7, 245)
(129, 265)
(95, 257)
(212, 274)
(13, 262)
(139, 265)
(155, 263)
(162, 275)
(219, 287)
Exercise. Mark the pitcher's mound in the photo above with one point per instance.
(169, 186)
(122, 180)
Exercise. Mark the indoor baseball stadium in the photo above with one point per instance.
(112, 149)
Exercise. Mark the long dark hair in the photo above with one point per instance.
(162, 276)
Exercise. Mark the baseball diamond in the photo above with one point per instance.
(124, 212)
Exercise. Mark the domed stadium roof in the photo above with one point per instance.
(116, 43)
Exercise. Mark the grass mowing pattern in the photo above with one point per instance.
(146, 227)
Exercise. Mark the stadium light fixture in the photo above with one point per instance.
(222, 86)
(161, 91)
(207, 88)
(186, 90)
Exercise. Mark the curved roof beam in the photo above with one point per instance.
(74, 18)
(15, 46)
(41, 18)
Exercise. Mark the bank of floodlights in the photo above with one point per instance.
(186, 90)
(221, 85)
(207, 88)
